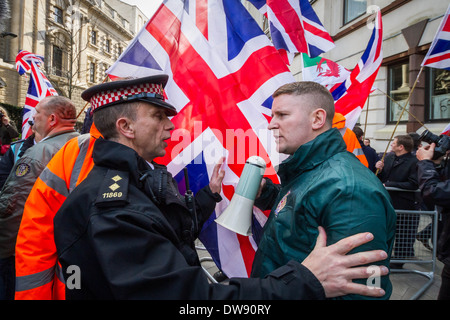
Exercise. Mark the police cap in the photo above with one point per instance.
(148, 89)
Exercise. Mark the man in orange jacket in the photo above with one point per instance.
(350, 138)
(38, 276)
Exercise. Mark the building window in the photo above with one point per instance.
(94, 37)
(398, 90)
(353, 9)
(58, 15)
(92, 67)
(57, 61)
(108, 45)
(439, 95)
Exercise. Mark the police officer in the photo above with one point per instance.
(130, 233)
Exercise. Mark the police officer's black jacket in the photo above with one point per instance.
(434, 183)
(127, 242)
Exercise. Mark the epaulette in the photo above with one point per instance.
(113, 190)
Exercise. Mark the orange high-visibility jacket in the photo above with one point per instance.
(38, 276)
(350, 139)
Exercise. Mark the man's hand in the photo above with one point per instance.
(426, 153)
(379, 165)
(215, 184)
(261, 187)
(336, 270)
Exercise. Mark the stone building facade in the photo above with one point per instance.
(80, 40)
(409, 27)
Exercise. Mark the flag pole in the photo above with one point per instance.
(401, 115)
(367, 113)
(79, 114)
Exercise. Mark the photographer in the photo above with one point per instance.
(433, 175)
(7, 131)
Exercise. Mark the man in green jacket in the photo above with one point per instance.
(321, 185)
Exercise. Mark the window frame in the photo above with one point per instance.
(92, 71)
(345, 18)
(57, 65)
(390, 103)
(93, 37)
(58, 15)
(428, 97)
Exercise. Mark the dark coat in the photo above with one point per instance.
(400, 172)
(117, 229)
(435, 188)
(7, 133)
(324, 185)
(17, 149)
(371, 156)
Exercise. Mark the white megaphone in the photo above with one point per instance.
(237, 216)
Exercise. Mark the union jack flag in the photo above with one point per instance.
(446, 130)
(438, 55)
(39, 86)
(222, 72)
(352, 94)
(295, 27)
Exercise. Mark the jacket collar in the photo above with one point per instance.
(114, 155)
(312, 154)
(55, 134)
(397, 160)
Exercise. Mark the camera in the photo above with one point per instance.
(442, 143)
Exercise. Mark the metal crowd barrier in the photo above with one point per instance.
(408, 249)
(205, 258)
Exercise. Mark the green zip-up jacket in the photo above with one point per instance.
(324, 185)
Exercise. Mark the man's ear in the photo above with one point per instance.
(53, 120)
(125, 127)
(319, 118)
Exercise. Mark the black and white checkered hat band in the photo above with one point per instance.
(104, 98)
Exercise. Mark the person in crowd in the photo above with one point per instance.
(54, 121)
(349, 137)
(128, 241)
(35, 246)
(8, 131)
(16, 151)
(424, 236)
(369, 152)
(398, 170)
(416, 142)
(434, 183)
(321, 185)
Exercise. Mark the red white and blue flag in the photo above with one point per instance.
(350, 97)
(446, 130)
(222, 72)
(295, 27)
(438, 55)
(38, 88)
(324, 71)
